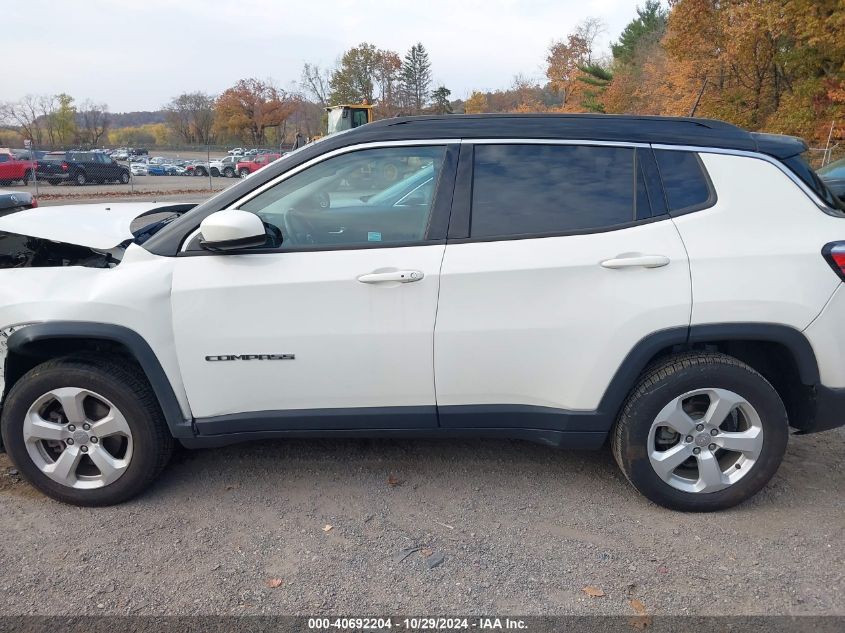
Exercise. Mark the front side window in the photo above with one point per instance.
(553, 189)
(366, 197)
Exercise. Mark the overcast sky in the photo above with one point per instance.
(137, 54)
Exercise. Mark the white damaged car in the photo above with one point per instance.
(671, 287)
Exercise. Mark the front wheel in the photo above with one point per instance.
(199, 171)
(701, 432)
(124, 178)
(86, 432)
(229, 172)
(215, 172)
(81, 179)
(27, 177)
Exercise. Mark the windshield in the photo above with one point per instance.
(801, 168)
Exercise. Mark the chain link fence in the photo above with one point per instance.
(109, 172)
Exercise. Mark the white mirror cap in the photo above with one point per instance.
(231, 225)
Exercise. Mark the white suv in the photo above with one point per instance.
(674, 285)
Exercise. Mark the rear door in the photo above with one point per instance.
(561, 258)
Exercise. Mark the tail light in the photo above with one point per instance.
(64, 166)
(34, 202)
(834, 253)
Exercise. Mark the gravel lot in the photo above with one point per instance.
(522, 530)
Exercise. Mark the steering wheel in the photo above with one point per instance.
(296, 228)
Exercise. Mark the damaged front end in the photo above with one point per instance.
(94, 236)
(22, 251)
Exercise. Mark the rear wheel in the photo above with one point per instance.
(80, 179)
(215, 172)
(200, 171)
(701, 432)
(85, 432)
(244, 172)
(229, 172)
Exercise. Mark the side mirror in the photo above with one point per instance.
(232, 230)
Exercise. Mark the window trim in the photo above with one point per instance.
(435, 229)
(461, 218)
(712, 197)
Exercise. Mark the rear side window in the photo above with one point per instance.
(684, 180)
(554, 189)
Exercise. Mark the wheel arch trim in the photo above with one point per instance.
(639, 357)
(23, 341)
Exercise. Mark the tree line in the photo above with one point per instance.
(774, 65)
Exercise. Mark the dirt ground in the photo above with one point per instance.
(522, 529)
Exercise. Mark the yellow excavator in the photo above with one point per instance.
(348, 116)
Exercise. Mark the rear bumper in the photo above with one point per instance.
(48, 176)
(829, 410)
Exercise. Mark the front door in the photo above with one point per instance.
(331, 324)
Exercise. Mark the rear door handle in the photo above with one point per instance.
(630, 261)
(402, 276)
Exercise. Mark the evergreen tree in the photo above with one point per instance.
(416, 78)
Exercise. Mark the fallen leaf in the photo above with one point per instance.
(641, 622)
(272, 583)
(327, 527)
(426, 552)
(637, 606)
(593, 592)
(393, 480)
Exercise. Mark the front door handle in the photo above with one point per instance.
(630, 261)
(402, 276)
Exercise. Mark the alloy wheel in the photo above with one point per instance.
(705, 440)
(78, 438)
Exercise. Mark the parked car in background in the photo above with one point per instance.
(139, 169)
(120, 154)
(249, 165)
(13, 169)
(11, 201)
(238, 151)
(138, 151)
(80, 168)
(833, 176)
(227, 166)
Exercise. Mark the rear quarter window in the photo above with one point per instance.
(685, 181)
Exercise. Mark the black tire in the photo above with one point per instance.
(244, 172)
(130, 392)
(200, 171)
(124, 178)
(669, 379)
(27, 177)
(53, 181)
(229, 172)
(215, 172)
(80, 178)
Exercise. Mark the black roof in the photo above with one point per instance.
(595, 127)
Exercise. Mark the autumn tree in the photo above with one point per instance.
(93, 122)
(64, 119)
(250, 108)
(416, 77)
(315, 82)
(477, 103)
(566, 59)
(440, 103)
(354, 79)
(191, 117)
(23, 114)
